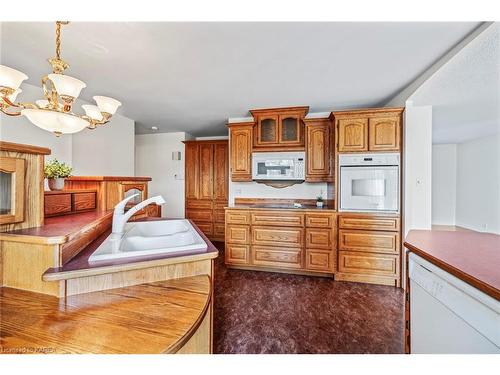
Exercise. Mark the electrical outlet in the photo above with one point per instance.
(484, 227)
(238, 191)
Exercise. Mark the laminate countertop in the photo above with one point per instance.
(59, 229)
(156, 317)
(471, 256)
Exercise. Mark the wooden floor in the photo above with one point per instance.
(262, 312)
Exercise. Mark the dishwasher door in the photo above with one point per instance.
(448, 315)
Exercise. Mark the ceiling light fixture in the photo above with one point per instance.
(54, 112)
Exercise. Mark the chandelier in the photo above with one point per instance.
(54, 113)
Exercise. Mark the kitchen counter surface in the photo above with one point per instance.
(59, 229)
(80, 266)
(156, 317)
(471, 256)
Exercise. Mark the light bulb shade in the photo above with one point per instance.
(11, 78)
(66, 85)
(42, 103)
(56, 122)
(108, 105)
(12, 97)
(92, 111)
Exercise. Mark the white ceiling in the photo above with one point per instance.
(193, 76)
(465, 92)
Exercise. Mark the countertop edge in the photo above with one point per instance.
(53, 275)
(469, 279)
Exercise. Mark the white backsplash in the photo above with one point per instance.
(304, 190)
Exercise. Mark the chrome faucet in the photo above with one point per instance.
(120, 217)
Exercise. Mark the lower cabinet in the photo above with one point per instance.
(369, 249)
(298, 241)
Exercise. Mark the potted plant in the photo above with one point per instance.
(56, 172)
(319, 201)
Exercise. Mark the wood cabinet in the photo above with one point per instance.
(241, 136)
(368, 129)
(319, 150)
(21, 186)
(206, 185)
(369, 248)
(282, 240)
(12, 186)
(279, 128)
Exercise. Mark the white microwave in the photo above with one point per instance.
(278, 166)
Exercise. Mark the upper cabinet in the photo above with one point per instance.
(279, 129)
(368, 130)
(319, 150)
(241, 136)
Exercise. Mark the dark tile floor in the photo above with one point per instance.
(263, 312)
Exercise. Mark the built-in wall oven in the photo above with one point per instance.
(369, 182)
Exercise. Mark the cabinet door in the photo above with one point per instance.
(191, 171)
(241, 152)
(290, 130)
(206, 164)
(318, 152)
(384, 134)
(267, 131)
(353, 134)
(12, 188)
(221, 170)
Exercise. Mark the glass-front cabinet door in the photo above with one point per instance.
(11, 190)
(267, 131)
(290, 130)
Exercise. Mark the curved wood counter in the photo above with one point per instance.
(162, 317)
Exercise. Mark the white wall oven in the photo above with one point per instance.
(278, 166)
(369, 182)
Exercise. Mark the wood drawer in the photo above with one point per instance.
(278, 236)
(219, 216)
(199, 215)
(206, 228)
(57, 204)
(369, 241)
(319, 238)
(320, 220)
(219, 230)
(282, 218)
(237, 254)
(237, 217)
(238, 234)
(320, 260)
(203, 204)
(369, 222)
(366, 263)
(272, 257)
(83, 201)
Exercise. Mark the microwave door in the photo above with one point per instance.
(369, 189)
(275, 169)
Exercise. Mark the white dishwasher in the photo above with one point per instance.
(448, 315)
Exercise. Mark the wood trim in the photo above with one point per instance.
(108, 178)
(367, 112)
(300, 109)
(22, 148)
(280, 270)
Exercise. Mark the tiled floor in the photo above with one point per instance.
(262, 312)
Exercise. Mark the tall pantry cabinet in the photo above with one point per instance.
(206, 185)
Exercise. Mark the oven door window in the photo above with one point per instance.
(369, 188)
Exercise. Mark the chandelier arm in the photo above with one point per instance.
(3, 110)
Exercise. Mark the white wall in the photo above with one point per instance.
(153, 157)
(417, 192)
(478, 184)
(108, 150)
(444, 183)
